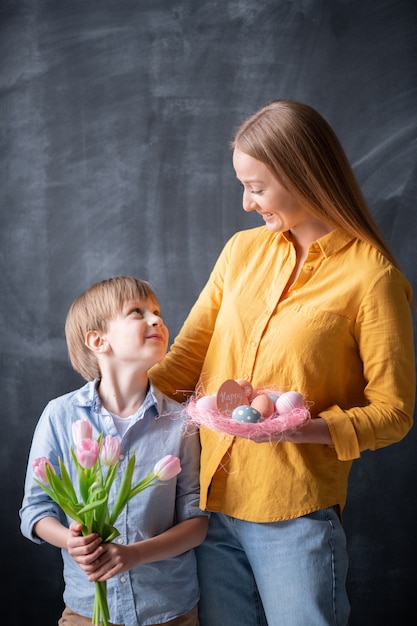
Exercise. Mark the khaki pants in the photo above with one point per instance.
(73, 619)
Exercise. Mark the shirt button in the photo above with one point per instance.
(309, 268)
(120, 540)
(121, 457)
(253, 344)
(123, 579)
(108, 419)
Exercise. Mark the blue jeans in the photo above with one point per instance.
(289, 573)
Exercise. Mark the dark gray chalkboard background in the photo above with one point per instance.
(115, 122)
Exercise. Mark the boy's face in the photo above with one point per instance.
(138, 334)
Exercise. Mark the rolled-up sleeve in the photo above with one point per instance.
(384, 335)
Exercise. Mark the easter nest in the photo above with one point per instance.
(277, 423)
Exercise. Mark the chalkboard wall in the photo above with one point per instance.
(115, 123)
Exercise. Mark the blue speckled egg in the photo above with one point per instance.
(246, 413)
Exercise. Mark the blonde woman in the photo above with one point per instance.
(312, 300)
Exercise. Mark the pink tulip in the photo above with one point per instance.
(39, 468)
(87, 453)
(110, 450)
(81, 429)
(167, 467)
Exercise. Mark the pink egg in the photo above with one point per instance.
(264, 405)
(246, 386)
(289, 401)
(206, 403)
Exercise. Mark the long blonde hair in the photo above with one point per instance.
(93, 310)
(300, 148)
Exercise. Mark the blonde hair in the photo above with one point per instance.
(302, 151)
(93, 310)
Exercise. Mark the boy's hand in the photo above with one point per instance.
(84, 550)
(115, 558)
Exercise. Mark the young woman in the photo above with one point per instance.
(313, 301)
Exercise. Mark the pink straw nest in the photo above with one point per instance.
(278, 423)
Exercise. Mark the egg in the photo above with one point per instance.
(289, 401)
(246, 413)
(246, 386)
(264, 404)
(206, 403)
(230, 395)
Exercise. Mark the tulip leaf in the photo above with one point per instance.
(109, 533)
(111, 474)
(56, 483)
(66, 481)
(142, 484)
(65, 504)
(49, 491)
(93, 505)
(74, 458)
(124, 491)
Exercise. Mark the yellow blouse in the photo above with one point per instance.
(342, 336)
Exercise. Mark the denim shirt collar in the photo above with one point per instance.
(87, 396)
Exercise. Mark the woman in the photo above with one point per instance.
(312, 301)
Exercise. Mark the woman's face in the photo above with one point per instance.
(263, 193)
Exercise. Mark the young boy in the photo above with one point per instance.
(115, 333)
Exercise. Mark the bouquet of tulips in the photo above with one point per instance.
(91, 507)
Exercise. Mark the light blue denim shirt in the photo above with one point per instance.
(153, 592)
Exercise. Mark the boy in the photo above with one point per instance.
(114, 334)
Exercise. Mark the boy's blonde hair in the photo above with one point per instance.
(300, 148)
(93, 310)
